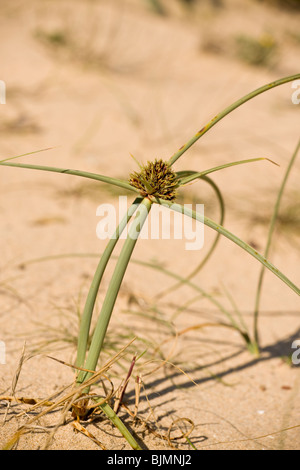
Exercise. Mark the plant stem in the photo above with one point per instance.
(114, 418)
(219, 228)
(270, 233)
(94, 287)
(113, 289)
(212, 248)
(192, 175)
(68, 171)
(107, 308)
(228, 110)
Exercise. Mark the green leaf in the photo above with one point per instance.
(194, 175)
(270, 234)
(25, 154)
(94, 287)
(215, 242)
(68, 171)
(228, 110)
(113, 289)
(226, 233)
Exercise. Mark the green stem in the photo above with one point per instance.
(267, 249)
(193, 175)
(107, 308)
(84, 174)
(114, 418)
(94, 288)
(159, 268)
(113, 289)
(228, 110)
(214, 244)
(222, 209)
(219, 228)
(195, 287)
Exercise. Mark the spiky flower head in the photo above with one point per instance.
(155, 179)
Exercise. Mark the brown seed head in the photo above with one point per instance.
(155, 179)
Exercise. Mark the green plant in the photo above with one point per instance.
(268, 245)
(155, 183)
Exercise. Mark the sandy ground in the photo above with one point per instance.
(97, 82)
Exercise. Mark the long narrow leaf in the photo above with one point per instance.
(197, 288)
(228, 110)
(150, 265)
(68, 171)
(113, 289)
(219, 228)
(191, 177)
(215, 242)
(270, 233)
(114, 418)
(25, 154)
(222, 216)
(94, 287)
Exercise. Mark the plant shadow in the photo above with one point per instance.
(280, 349)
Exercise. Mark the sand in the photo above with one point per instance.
(97, 82)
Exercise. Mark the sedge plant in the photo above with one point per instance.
(156, 182)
